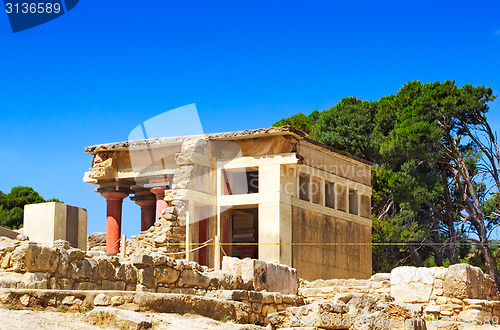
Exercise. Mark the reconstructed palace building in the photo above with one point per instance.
(271, 194)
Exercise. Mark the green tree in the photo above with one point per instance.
(348, 126)
(437, 176)
(302, 122)
(12, 205)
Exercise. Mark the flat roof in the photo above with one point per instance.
(236, 135)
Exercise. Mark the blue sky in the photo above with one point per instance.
(100, 70)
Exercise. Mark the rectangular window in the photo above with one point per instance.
(240, 181)
(304, 186)
(341, 198)
(329, 194)
(315, 190)
(353, 201)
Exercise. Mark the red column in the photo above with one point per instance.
(148, 209)
(161, 203)
(114, 201)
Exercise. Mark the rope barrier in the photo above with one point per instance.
(340, 244)
(225, 254)
(192, 250)
(111, 248)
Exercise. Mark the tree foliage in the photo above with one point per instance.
(12, 205)
(302, 122)
(436, 179)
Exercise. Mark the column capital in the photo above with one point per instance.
(145, 202)
(158, 191)
(114, 195)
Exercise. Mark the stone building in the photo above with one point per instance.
(271, 194)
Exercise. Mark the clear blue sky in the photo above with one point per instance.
(95, 73)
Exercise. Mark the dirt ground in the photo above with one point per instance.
(28, 319)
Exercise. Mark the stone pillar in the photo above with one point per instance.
(114, 200)
(161, 203)
(148, 210)
(147, 201)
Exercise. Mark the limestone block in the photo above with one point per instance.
(226, 280)
(120, 318)
(254, 296)
(193, 278)
(127, 273)
(86, 269)
(48, 222)
(411, 284)
(131, 287)
(438, 283)
(117, 300)
(105, 270)
(11, 281)
(166, 274)
(146, 277)
(85, 286)
(33, 257)
(474, 316)
(102, 300)
(35, 280)
(441, 300)
(65, 284)
(64, 263)
(69, 300)
(263, 275)
(236, 295)
(76, 254)
(256, 308)
(268, 309)
(432, 309)
(440, 272)
(159, 259)
(141, 260)
(113, 285)
(464, 281)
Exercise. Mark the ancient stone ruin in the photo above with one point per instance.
(265, 194)
(35, 275)
(215, 245)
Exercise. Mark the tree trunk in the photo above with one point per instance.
(491, 264)
(453, 253)
(416, 256)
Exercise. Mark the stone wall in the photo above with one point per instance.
(339, 255)
(268, 276)
(167, 236)
(30, 265)
(38, 266)
(458, 291)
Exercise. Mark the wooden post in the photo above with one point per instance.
(188, 233)
(217, 263)
(123, 247)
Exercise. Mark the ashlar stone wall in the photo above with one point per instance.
(461, 290)
(31, 265)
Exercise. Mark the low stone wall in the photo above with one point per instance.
(238, 306)
(268, 276)
(461, 290)
(39, 266)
